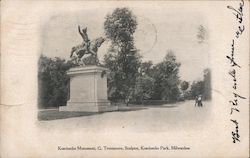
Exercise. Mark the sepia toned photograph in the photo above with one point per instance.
(124, 79)
(127, 65)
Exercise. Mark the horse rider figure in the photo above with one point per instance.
(86, 41)
(86, 48)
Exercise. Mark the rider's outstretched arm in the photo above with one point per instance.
(79, 29)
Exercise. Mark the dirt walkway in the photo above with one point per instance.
(146, 119)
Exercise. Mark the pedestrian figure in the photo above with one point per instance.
(196, 100)
(199, 100)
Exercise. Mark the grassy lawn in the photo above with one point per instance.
(55, 114)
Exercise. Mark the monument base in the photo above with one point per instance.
(88, 90)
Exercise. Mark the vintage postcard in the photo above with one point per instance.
(124, 79)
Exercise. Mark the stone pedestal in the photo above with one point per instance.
(88, 90)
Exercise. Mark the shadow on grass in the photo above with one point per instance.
(47, 115)
(55, 114)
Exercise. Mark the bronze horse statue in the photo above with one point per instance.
(86, 49)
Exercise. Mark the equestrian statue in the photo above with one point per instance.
(86, 50)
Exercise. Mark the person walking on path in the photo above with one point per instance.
(198, 100)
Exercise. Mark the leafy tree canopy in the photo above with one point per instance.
(53, 82)
(122, 58)
(120, 26)
(167, 78)
(184, 85)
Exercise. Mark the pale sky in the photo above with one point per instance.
(159, 29)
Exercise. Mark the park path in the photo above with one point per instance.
(150, 119)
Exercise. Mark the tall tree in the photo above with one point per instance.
(184, 85)
(202, 87)
(166, 75)
(120, 27)
(201, 34)
(207, 84)
(144, 88)
(53, 82)
(146, 68)
(122, 58)
(197, 88)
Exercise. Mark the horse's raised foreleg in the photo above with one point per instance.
(73, 57)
